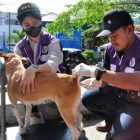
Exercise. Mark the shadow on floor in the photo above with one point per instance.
(90, 120)
(55, 130)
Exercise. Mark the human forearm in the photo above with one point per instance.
(130, 81)
(44, 68)
(123, 80)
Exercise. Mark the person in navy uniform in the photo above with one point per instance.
(42, 50)
(117, 101)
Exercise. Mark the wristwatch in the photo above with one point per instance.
(100, 71)
(35, 66)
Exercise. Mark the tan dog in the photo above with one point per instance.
(63, 89)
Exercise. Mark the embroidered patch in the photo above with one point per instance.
(44, 49)
(132, 62)
(129, 70)
(112, 67)
(43, 58)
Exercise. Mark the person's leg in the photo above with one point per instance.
(36, 117)
(126, 125)
(34, 112)
(101, 102)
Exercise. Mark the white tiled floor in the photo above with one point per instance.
(11, 133)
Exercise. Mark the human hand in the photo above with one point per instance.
(84, 70)
(27, 82)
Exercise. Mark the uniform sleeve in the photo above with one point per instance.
(17, 50)
(107, 61)
(55, 55)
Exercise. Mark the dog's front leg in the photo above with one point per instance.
(18, 117)
(27, 115)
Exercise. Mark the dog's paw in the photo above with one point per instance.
(22, 130)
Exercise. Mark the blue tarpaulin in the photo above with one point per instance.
(70, 42)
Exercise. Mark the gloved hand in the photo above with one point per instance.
(91, 83)
(84, 70)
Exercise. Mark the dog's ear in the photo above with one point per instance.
(4, 55)
(1, 54)
(24, 60)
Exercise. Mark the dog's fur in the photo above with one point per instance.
(63, 89)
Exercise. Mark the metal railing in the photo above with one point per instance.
(3, 107)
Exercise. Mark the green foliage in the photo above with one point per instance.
(90, 56)
(17, 35)
(132, 6)
(89, 12)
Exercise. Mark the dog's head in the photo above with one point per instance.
(8, 57)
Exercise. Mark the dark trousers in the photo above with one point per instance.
(34, 108)
(125, 117)
(126, 124)
(102, 102)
